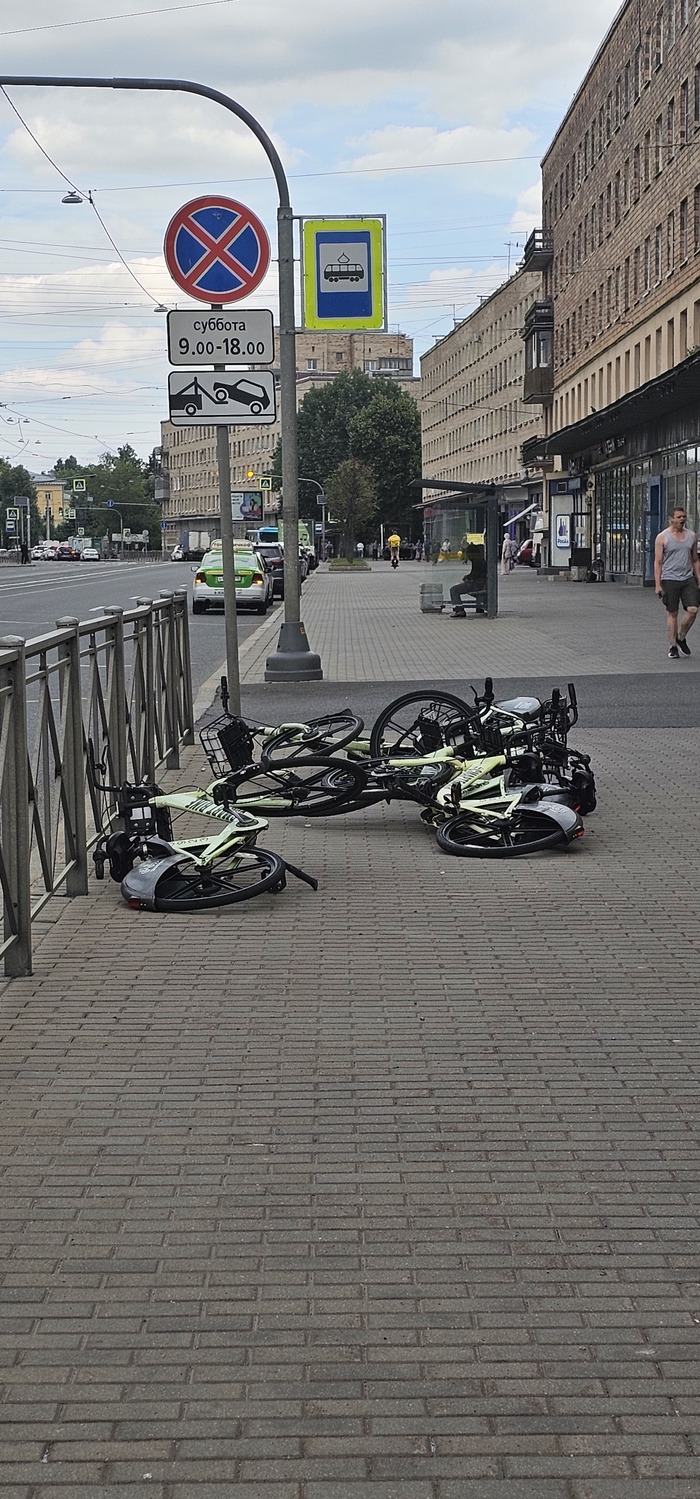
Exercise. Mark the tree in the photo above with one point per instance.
(386, 436)
(122, 478)
(369, 418)
(352, 499)
(16, 481)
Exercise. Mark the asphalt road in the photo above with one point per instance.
(33, 598)
(637, 701)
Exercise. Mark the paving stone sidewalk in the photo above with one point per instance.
(368, 627)
(388, 1192)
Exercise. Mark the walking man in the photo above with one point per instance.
(677, 579)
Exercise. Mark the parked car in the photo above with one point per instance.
(525, 553)
(177, 554)
(89, 554)
(273, 557)
(254, 587)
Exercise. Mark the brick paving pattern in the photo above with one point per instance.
(369, 627)
(387, 1192)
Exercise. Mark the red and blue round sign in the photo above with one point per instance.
(216, 249)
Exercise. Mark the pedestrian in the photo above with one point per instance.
(360, 549)
(24, 552)
(508, 554)
(472, 584)
(375, 550)
(394, 546)
(677, 579)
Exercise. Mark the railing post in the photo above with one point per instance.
(16, 817)
(149, 680)
(117, 696)
(73, 769)
(172, 759)
(183, 629)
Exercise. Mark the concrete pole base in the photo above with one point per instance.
(293, 661)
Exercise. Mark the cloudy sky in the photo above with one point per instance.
(435, 114)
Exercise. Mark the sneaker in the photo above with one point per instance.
(683, 646)
(673, 653)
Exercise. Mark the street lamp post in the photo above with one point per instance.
(293, 660)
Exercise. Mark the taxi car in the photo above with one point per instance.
(253, 581)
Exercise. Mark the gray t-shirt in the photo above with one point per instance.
(676, 560)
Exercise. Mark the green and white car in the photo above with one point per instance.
(253, 581)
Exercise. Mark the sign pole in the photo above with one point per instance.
(223, 463)
(293, 660)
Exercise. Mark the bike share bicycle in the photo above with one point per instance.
(157, 872)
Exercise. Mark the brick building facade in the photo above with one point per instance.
(620, 250)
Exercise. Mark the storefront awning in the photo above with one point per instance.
(678, 388)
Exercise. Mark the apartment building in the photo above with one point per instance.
(474, 418)
(187, 483)
(620, 254)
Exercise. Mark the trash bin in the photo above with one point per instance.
(431, 598)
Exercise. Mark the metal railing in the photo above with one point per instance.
(122, 680)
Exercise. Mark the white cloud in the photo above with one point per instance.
(528, 213)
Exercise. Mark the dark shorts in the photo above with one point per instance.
(674, 594)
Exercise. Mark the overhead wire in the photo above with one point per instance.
(128, 15)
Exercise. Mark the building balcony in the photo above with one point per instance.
(539, 250)
(538, 336)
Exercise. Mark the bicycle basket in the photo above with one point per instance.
(227, 744)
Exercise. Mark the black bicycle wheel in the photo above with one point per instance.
(524, 832)
(295, 788)
(320, 736)
(418, 723)
(236, 876)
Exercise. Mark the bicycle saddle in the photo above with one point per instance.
(523, 707)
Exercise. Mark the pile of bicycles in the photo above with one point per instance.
(492, 779)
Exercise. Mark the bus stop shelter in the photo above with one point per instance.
(459, 519)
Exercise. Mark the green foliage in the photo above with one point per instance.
(17, 481)
(352, 499)
(122, 478)
(366, 418)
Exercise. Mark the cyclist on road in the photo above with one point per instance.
(394, 544)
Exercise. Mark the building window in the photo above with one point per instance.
(683, 17)
(671, 244)
(658, 253)
(312, 364)
(696, 219)
(647, 263)
(658, 144)
(647, 158)
(627, 88)
(636, 264)
(671, 129)
(637, 173)
(696, 96)
(617, 196)
(638, 72)
(683, 113)
(683, 231)
(659, 41)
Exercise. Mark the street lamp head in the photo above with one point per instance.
(72, 197)
(160, 308)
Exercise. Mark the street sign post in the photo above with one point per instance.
(198, 338)
(217, 250)
(79, 486)
(221, 398)
(344, 273)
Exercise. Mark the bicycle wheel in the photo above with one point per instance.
(525, 832)
(320, 736)
(417, 723)
(236, 876)
(296, 788)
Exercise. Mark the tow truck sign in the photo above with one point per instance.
(221, 398)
